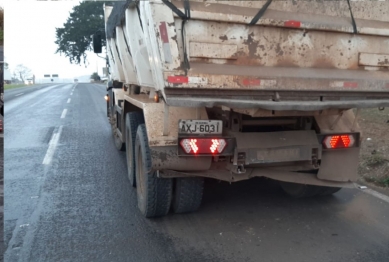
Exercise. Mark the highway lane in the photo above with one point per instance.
(68, 199)
(10, 94)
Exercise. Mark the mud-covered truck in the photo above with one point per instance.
(233, 90)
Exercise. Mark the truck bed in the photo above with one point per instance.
(298, 56)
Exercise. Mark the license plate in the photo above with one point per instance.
(200, 127)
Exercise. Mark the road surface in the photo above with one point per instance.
(68, 199)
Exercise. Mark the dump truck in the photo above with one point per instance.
(233, 90)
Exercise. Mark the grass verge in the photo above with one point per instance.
(13, 86)
(374, 158)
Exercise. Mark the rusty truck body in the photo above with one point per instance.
(233, 90)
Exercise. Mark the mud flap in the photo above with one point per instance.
(339, 165)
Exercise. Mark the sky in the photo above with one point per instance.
(30, 34)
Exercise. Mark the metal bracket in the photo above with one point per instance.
(240, 169)
(166, 120)
(235, 160)
(355, 119)
(235, 122)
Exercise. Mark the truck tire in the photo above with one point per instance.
(108, 110)
(133, 120)
(326, 191)
(300, 190)
(188, 193)
(118, 142)
(154, 194)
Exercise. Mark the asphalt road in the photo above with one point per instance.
(68, 199)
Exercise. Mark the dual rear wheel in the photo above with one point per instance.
(156, 196)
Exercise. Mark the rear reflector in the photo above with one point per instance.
(339, 141)
(292, 23)
(177, 79)
(251, 82)
(187, 80)
(254, 82)
(342, 84)
(350, 84)
(203, 145)
(163, 32)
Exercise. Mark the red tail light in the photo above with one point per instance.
(203, 145)
(339, 141)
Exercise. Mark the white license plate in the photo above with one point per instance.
(200, 127)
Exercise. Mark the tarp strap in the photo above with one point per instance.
(185, 17)
(125, 40)
(140, 20)
(176, 10)
(352, 18)
(260, 13)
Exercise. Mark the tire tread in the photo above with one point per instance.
(158, 190)
(133, 120)
(188, 194)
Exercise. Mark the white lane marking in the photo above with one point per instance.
(64, 113)
(52, 146)
(71, 93)
(19, 94)
(69, 100)
(24, 225)
(375, 194)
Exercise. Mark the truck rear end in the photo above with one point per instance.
(239, 89)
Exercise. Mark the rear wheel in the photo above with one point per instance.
(154, 194)
(133, 120)
(300, 190)
(115, 131)
(108, 110)
(188, 193)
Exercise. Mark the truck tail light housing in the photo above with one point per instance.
(198, 146)
(339, 141)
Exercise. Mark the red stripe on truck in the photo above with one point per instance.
(251, 82)
(177, 79)
(387, 85)
(350, 84)
(163, 32)
(292, 23)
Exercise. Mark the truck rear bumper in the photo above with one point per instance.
(275, 105)
(290, 156)
(280, 175)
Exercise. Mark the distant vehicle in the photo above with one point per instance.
(29, 81)
(75, 80)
